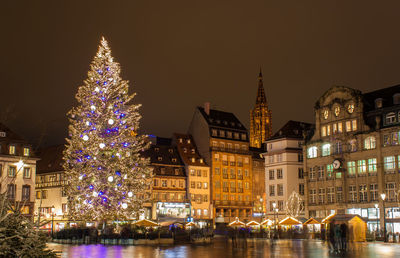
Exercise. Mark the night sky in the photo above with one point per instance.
(179, 54)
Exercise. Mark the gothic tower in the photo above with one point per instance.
(260, 118)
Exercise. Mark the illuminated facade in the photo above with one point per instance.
(17, 170)
(260, 118)
(353, 156)
(223, 141)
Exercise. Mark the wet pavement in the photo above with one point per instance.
(220, 248)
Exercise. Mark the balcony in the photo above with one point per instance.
(233, 176)
(233, 203)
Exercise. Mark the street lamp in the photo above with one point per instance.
(377, 219)
(383, 196)
(52, 221)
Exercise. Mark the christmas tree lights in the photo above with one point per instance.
(107, 177)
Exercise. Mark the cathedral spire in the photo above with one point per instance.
(261, 99)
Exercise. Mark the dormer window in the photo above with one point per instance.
(201, 161)
(193, 160)
(188, 141)
(214, 132)
(173, 159)
(11, 150)
(229, 134)
(225, 123)
(180, 140)
(218, 121)
(396, 99)
(159, 158)
(221, 133)
(157, 149)
(26, 151)
(390, 118)
(378, 103)
(184, 150)
(193, 151)
(170, 150)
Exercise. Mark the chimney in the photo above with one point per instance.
(207, 108)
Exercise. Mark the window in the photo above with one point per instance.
(390, 118)
(246, 160)
(352, 147)
(352, 193)
(214, 132)
(233, 174)
(26, 151)
(329, 171)
(330, 194)
(27, 173)
(389, 164)
(279, 158)
(370, 143)
(280, 189)
(26, 193)
(334, 128)
(351, 168)
(323, 131)
(312, 173)
(300, 157)
(222, 145)
(340, 127)
(193, 172)
(378, 103)
(312, 152)
(11, 150)
(204, 173)
(271, 174)
(272, 190)
(233, 187)
(390, 191)
(326, 149)
(44, 194)
(216, 157)
(243, 135)
(164, 183)
(221, 133)
(239, 174)
(246, 173)
(363, 193)
(12, 170)
(280, 205)
(216, 171)
(217, 184)
(246, 185)
(328, 130)
(354, 125)
(229, 146)
(198, 172)
(205, 185)
(229, 134)
(193, 184)
(313, 194)
(362, 166)
(391, 139)
(236, 135)
(11, 189)
(337, 147)
(199, 184)
(225, 186)
(64, 208)
(279, 174)
(301, 173)
(271, 159)
(321, 173)
(225, 173)
(348, 126)
(301, 189)
(339, 194)
(271, 206)
(321, 195)
(373, 188)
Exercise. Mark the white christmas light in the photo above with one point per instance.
(130, 194)
(117, 154)
(85, 137)
(80, 177)
(124, 206)
(94, 194)
(92, 107)
(125, 177)
(110, 121)
(102, 145)
(87, 123)
(110, 179)
(97, 89)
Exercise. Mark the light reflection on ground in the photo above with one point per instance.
(220, 249)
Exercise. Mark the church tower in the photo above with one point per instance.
(260, 118)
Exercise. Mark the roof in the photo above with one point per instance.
(292, 129)
(386, 94)
(261, 99)
(9, 135)
(187, 150)
(165, 159)
(256, 153)
(222, 119)
(51, 159)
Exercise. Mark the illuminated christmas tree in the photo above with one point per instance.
(107, 177)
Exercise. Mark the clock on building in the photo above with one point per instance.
(350, 108)
(336, 164)
(337, 111)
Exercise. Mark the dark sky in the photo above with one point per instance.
(179, 54)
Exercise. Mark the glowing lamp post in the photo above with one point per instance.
(377, 219)
(275, 215)
(383, 196)
(52, 221)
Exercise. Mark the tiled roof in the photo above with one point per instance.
(187, 150)
(222, 119)
(10, 136)
(51, 159)
(292, 129)
(386, 94)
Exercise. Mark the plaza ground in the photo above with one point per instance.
(222, 248)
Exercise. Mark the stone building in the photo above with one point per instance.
(260, 118)
(198, 179)
(223, 142)
(17, 170)
(353, 155)
(284, 167)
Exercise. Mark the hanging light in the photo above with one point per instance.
(85, 137)
(110, 178)
(102, 145)
(93, 107)
(110, 121)
(124, 206)
(130, 194)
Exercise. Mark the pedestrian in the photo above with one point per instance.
(331, 237)
(338, 237)
(343, 238)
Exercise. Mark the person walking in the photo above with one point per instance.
(343, 238)
(331, 237)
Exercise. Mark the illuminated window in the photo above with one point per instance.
(372, 165)
(27, 173)
(370, 143)
(323, 131)
(328, 130)
(312, 152)
(348, 126)
(340, 127)
(389, 164)
(12, 170)
(351, 168)
(362, 166)
(11, 150)
(390, 118)
(354, 125)
(326, 149)
(26, 151)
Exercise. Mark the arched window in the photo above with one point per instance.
(312, 152)
(390, 118)
(326, 149)
(370, 143)
(352, 147)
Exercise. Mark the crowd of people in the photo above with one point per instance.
(338, 237)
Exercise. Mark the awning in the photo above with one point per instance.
(267, 222)
(252, 223)
(289, 221)
(236, 223)
(146, 223)
(311, 221)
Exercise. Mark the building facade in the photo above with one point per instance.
(353, 156)
(198, 179)
(17, 170)
(223, 141)
(284, 167)
(258, 185)
(260, 118)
